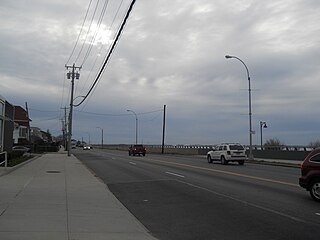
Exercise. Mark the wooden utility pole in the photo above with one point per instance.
(163, 127)
(73, 75)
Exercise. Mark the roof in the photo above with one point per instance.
(21, 116)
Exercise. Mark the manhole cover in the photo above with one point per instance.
(53, 171)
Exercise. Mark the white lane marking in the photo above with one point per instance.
(132, 163)
(174, 174)
(248, 203)
(318, 214)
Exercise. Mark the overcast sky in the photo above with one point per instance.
(171, 52)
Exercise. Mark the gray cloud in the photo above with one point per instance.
(171, 52)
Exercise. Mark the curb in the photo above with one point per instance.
(11, 169)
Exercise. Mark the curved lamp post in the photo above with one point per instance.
(136, 124)
(101, 136)
(250, 112)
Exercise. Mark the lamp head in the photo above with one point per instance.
(228, 56)
(263, 124)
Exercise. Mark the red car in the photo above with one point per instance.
(310, 174)
(137, 149)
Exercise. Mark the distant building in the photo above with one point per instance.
(6, 125)
(36, 134)
(21, 133)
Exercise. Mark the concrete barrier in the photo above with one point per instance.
(285, 153)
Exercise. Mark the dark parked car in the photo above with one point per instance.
(310, 174)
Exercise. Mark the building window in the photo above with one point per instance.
(23, 132)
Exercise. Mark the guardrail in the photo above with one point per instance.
(5, 162)
(254, 147)
(270, 152)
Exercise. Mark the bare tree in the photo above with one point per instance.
(314, 144)
(273, 144)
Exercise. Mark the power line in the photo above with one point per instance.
(113, 20)
(63, 89)
(103, 11)
(110, 52)
(46, 119)
(118, 115)
(38, 110)
(84, 20)
(94, 13)
(100, 50)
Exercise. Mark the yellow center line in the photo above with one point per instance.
(225, 172)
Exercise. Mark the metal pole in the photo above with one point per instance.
(65, 127)
(163, 128)
(136, 129)
(250, 118)
(250, 112)
(261, 135)
(136, 124)
(101, 136)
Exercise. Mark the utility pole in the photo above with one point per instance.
(64, 128)
(164, 127)
(29, 130)
(71, 75)
(63, 131)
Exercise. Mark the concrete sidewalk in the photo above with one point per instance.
(57, 197)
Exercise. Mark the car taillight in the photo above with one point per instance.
(228, 152)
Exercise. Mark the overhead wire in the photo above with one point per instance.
(72, 52)
(109, 53)
(38, 110)
(102, 14)
(85, 39)
(100, 50)
(118, 115)
(84, 20)
(103, 11)
(63, 89)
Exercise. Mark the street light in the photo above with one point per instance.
(89, 136)
(136, 124)
(101, 137)
(263, 124)
(250, 113)
(78, 97)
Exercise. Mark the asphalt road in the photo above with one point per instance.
(183, 197)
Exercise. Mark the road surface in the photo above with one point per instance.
(185, 197)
